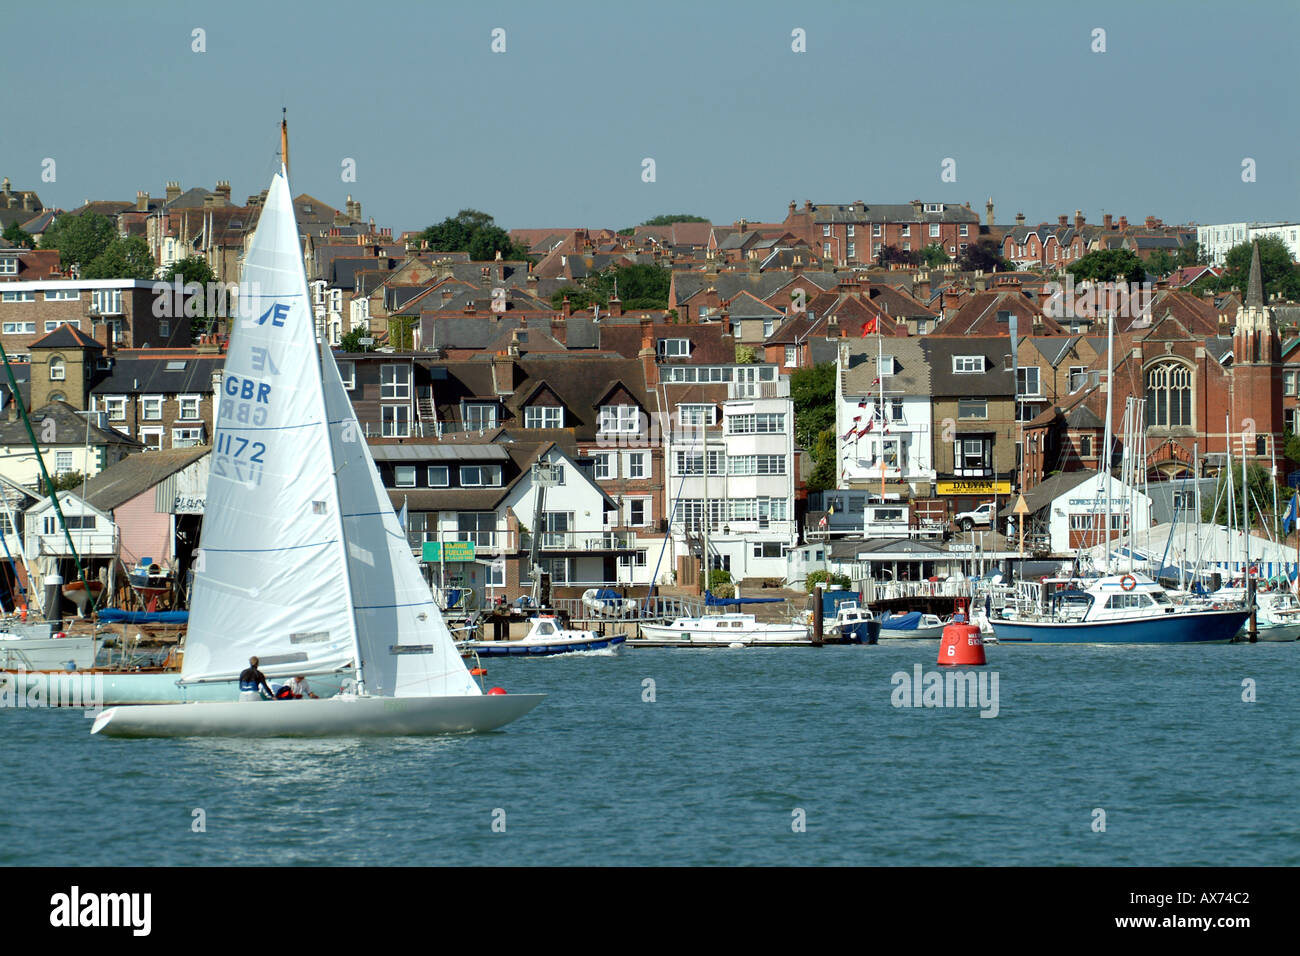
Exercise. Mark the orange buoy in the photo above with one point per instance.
(961, 644)
(496, 690)
(478, 671)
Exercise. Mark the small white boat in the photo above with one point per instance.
(545, 638)
(606, 602)
(38, 647)
(344, 715)
(726, 629)
(913, 626)
(1277, 617)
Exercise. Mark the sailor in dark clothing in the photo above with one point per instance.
(252, 679)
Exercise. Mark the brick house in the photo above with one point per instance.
(854, 233)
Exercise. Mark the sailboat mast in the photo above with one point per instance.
(1106, 439)
(880, 409)
(1245, 514)
(284, 140)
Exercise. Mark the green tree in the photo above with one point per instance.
(670, 218)
(79, 239)
(812, 392)
(1160, 263)
(1275, 268)
(746, 355)
(351, 341)
(815, 577)
(1291, 447)
(127, 258)
(934, 255)
(475, 232)
(14, 233)
(1260, 504)
(985, 255)
(1190, 255)
(579, 299)
(401, 332)
(1105, 264)
(190, 269)
(824, 450)
(68, 481)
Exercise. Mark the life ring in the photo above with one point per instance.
(1128, 582)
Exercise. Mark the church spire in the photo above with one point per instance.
(1255, 287)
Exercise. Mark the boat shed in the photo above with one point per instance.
(156, 500)
(1068, 511)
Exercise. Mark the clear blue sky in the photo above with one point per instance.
(553, 131)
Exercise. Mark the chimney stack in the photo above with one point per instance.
(223, 189)
(173, 191)
(1020, 219)
(141, 202)
(1078, 219)
(1106, 222)
(1062, 219)
(988, 212)
(1123, 223)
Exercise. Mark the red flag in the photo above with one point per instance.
(822, 522)
(875, 383)
(869, 326)
(868, 428)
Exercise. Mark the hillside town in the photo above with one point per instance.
(886, 388)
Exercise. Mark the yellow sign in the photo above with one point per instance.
(973, 486)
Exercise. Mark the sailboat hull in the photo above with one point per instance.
(343, 716)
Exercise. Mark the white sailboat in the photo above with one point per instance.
(302, 561)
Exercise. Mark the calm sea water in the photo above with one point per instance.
(714, 769)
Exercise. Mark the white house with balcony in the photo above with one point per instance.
(730, 463)
(883, 417)
(1214, 242)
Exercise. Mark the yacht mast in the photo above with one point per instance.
(1106, 439)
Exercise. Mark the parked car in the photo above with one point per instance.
(982, 516)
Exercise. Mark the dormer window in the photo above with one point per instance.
(967, 364)
(544, 416)
(673, 348)
(886, 365)
(9, 266)
(934, 207)
(622, 419)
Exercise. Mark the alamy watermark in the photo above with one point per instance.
(1090, 300)
(40, 689)
(946, 688)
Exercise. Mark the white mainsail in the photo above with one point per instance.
(272, 576)
(406, 649)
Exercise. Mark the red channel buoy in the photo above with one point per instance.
(961, 644)
(496, 690)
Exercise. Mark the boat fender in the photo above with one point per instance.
(59, 634)
(1128, 582)
(496, 690)
(478, 671)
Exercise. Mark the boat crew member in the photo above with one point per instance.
(252, 679)
(299, 689)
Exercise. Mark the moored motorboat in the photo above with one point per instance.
(37, 646)
(1115, 609)
(547, 638)
(1277, 617)
(726, 629)
(912, 626)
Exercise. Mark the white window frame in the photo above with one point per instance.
(673, 348)
(152, 432)
(604, 465)
(968, 364)
(636, 465)
(195, 401)
(348, 373)
(19, 328)
(934, 230)
(437, 480)
(620, 419)
(395, 421)
(400, 385)
(187, 437)
(487, 476)
(544, 416)
(404, 476)
(58, 369)
(146, 403)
